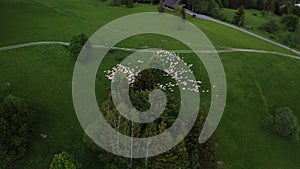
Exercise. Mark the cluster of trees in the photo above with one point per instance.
(279, 7)
(16, 125)
(283, 123)
(208, 7)
(188, 154)
(127, 3)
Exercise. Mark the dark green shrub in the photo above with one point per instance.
(291, 22)
(289, 39)
(64, 161)
(283, 123)
(271, 26)
(5, 88)
(76, 44)
(129, 3)
(16, 125)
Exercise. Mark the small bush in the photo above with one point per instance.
(283, 123)
(64, 161)
(271, 26)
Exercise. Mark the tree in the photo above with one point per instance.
(270, 6)
(291, 21)
(283, 123)
(16, 125)
(207, 154)
(64, 161)
(239, 17)
(144, 81)
(5, 89)
(161, 7)
(260, 4)
(182, 13)
(76, 44)
(129, 3)
(204, 6)
(271, 26)
(176, 158)
(192, 142)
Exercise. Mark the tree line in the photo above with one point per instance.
(188, 154)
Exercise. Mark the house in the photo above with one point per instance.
(172, 3)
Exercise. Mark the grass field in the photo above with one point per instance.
(42, 75)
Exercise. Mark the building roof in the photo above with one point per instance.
(171, 3)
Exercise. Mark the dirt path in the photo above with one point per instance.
(240, 29)
(227, 50)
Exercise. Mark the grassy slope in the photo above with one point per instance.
(253, 23)
(42, 75)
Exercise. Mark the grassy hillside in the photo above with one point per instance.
(254, 19)
(257, 83)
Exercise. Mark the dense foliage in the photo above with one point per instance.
(208, 7)
(16, 122)
(283, 123)
(161, 7)
(76, 44)
(64, 161)
(278, 7)
(291, 22)
(271, 26)
(186, 154)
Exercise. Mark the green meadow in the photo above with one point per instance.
(257, 83)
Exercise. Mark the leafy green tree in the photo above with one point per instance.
(129, 3)
(176, 158)
(204, 6)
(207, 155)
(239, 17)
(182, 13)
(5, 89)
(161, 7)
(16, 122)
(283, 123)
(64, 161)
(291, 22)
(76, 44)
(192, 143)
